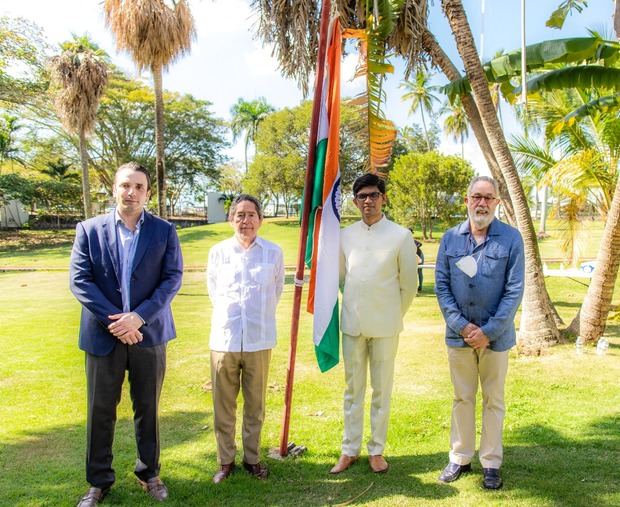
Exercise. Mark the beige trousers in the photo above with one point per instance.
(467, 365)
(360, 353)
(229, 372)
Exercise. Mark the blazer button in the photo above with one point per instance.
(471, 285)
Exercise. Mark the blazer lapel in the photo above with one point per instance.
(144, 240)
(109, 232)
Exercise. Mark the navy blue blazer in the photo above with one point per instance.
(95, 280)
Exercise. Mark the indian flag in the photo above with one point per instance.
(323, 246)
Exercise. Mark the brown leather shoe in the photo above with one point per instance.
(92, 497)
(258, 470)
(344, 462)
(378, 464)
(224, 472)
(155, 488)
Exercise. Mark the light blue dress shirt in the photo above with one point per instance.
(491, 297)
(127, 242)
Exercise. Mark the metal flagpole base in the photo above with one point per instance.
(293, 451)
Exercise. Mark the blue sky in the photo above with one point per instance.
(227, 63)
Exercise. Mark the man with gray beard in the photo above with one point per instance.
(479, 279)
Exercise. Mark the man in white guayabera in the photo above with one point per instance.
(245, 278)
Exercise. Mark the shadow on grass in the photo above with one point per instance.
(541, 466)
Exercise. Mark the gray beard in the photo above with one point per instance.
(480, 221)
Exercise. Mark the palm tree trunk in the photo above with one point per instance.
(617, 19)
(159, 142)
(428, 143)
(247, 142)
(85, 181)
(538, 327)
(441, 60)
(595, 307)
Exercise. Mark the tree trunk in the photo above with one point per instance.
(538, 327)
(247, 142)
(542, 230)
(441, 60)
(617, 19)
(428, 143)
(160, 164)
(85, 180)
(596, 305)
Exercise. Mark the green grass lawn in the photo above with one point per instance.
(562, 438)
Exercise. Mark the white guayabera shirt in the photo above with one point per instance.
(244, 287)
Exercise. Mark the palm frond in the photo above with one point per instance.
(374, 65)
(154, 34)
(597, 105)
(532, 159)
(581, 76)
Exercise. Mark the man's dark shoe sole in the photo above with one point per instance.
(453, 471)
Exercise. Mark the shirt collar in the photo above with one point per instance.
(119, 220)
(376, 225)
(258, 241)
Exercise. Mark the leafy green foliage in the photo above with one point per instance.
(558, 16)
(278, 169)
(424, 187)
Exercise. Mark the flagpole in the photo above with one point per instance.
(309, 182)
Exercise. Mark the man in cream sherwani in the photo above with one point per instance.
(378, 269)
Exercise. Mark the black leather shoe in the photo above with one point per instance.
(453, 471)
(492, 479)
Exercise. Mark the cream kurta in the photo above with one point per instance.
(378, 266)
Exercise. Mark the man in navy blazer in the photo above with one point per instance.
(126, 268)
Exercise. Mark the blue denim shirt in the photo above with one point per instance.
(490, 299)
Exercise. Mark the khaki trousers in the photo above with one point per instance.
(360, 352)
(229, 372)
(466, 366)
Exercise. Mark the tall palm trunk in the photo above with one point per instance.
(247, 142)
(441, 60)
(160, 163)
(592, 317)
(85, 181)
(428, 142)
(538, 320)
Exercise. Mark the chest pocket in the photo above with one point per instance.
(453, 257)
(494, 261)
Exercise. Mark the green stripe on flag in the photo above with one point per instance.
(327, 352)
(317, 195)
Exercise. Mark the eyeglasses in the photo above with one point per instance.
(373, 196)
(486, 198)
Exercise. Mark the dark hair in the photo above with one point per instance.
(244, 197)
(368, 180)
(134, 166)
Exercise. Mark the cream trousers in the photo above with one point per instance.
(360, 353)
(467, 365)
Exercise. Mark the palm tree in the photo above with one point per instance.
(421, 95)
(538, 321)
(80, 75)
(440, 59)
(60, 170)
(455, 123)
(155, 35)
(246, 117)
(8, 150)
